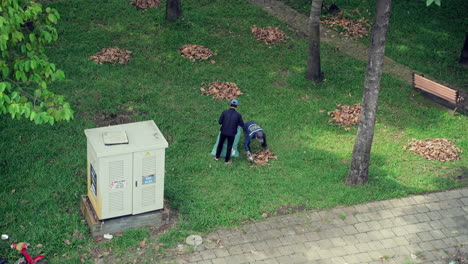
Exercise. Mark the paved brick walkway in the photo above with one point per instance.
(417, 229)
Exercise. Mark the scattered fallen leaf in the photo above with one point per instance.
(143, 244)
(196, 52)
(346, 115)
(13, 191)
(22, 227)
(270, 35)
(111, 55)
(254, 252)
(39, 245)
(222, 90)
(67, 241)
(265, 215)
(440, 149)
(144, 4)
(322, 110)
(24, 201)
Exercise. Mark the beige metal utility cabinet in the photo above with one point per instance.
(126, 169)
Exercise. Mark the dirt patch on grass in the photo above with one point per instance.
(104, 119)
(288, 209)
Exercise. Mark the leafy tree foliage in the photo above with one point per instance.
(25, 72)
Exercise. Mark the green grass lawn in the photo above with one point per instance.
(43, 168)
(427, 39)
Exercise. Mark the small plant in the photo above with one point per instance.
(342, 216)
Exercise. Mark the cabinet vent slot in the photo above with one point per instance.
(148, 196)
(149, 166)
(116, 171)
(116, 201)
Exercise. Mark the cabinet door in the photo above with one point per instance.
(116, 188)
(148, 181)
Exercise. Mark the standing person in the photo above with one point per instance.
(229, 120)
(251, 131)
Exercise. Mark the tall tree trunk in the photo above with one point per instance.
(173, 10)
(464, 53)
(358, 171)
(313, 61)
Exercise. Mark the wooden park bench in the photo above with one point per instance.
(454, 97)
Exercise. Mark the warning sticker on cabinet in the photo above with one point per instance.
(118, 184)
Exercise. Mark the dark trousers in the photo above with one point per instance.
(230, 141)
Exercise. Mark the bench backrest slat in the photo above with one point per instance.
(419, 82)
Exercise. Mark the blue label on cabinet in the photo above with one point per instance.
(149, 179)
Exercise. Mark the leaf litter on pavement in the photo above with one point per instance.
(270, 35)
(440, 149)
(346, 115)
(196, 52)
(112, 55)
(222, 90)
(144, 4)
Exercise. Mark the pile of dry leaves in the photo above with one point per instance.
(263, 157)
(222, 90)
(354, 29)
(144, 4)
(270, 35)
(196, 52)
(440, 149)
(111, 55)
(346, 115)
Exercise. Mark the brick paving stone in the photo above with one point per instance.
(338, 241)
(288, 231)
(349, 230)
(374, 225)
(362, 237)
(261, 245)
(350, 239)
(286, 250)
(207, 254)
(362, 227)
(376, 245)
(312, 236)
(205, 262)
(274, 242)
(436, 224)
(219, 261)
(425, 236)
(272, 252)
(293, 259)
(387, 233)
(435, 206)
(337, 260)
(362, 217)
(221, 252)
(363, 247)
(389, 243)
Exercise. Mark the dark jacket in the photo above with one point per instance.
(250, 132)
(229, 120)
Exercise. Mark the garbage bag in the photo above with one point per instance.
(234, 150)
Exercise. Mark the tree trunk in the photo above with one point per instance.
(358, 171)
(173, 10)
(313, 61)
(464, 53)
